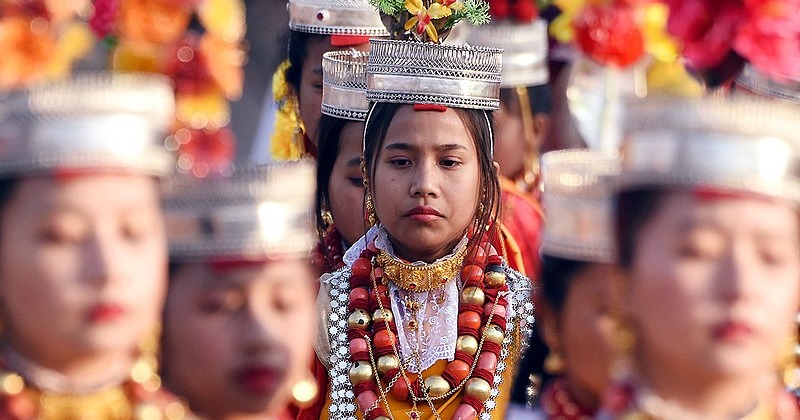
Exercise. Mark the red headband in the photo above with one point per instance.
(430, 107)
(348, 40)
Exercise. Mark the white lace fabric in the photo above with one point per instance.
(435, 337)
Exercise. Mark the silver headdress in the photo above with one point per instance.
(761, 84)
(344, 85)
(94, 121)
(524, 50)
(335, 17)
(257, 213)
(578, 203)
(426, 73)
(742, 144)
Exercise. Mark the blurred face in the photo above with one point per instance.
(82, 266)
(515, 144)
(310, 95)
(427, 181)
(583, 333)
(714, 285)
(236, 339)
(346, 187)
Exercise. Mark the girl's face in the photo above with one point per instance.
(427, 182)
(82, 266)
(236, 339)
(583, 332)
(346, 185)
(714, 285)
(310, 95)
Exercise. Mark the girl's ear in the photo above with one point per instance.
(496, 167)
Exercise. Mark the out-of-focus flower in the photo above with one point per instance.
(74, 43)
(26, 47)
(609, 35)
(223, 18)
(204, 152)
(770, 37)
(152, 21)
(226, 66)
(705, 28)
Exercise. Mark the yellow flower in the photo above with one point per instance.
(657, 42)
(424, 16)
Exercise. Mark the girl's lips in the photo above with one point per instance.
(423, 214)
(105, 312)
(258, 379)
(732, 331)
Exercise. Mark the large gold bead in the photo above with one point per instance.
(11, 383)
(473, 296)
(468, 344)
(360, 372)
(382, 418)
(494, 334)
(436, 386)
(387, 363)
(358, 319)
(478, 388)
(495, 278)
(381, 315)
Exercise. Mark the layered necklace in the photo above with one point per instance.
(328, 254)
(377, 369)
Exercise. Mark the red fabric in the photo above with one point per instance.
(430, 107)
(522, 216)
(348, 40)
(712, 194)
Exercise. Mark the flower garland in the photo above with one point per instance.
(328, 255)
(40, 40)
(284, 143)
(372, 336)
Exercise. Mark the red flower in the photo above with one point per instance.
(524, 11)
(499, 9)
(706, 29)
(770, 38)
(609, 35)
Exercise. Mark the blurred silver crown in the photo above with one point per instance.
(426, 73)
(761, 84)
(344, 84)
(739, 143)
(524, 50)
(258, 212)
(335, 17)
(95, 120)
(577, 197)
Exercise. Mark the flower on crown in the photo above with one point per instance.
(517, 11)
(429, 20)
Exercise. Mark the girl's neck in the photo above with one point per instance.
(410, 254)
(709, 396)
(77, 375)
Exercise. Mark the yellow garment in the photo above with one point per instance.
(284, 144)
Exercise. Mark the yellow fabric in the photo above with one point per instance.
(448, 407)
(512, 253)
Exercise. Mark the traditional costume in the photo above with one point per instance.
(438, 340)
(94, 123)
(734, 146)
(577, 195)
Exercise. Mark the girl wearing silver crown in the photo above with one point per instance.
(83, 260)
(239, 317)
(426, 320)
(708, 245)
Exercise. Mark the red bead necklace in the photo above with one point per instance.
(372, 336)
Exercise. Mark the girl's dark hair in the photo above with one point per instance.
(539, 97)
(298, 47)
(328, 136)
(479, 125)
(8, 186)
(634, 210)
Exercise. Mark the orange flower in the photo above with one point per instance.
(152, 21)
(226, 65)
(424, 16)
(27, 45)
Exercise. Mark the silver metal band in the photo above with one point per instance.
(342, 17)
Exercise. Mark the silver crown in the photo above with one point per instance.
(427, 73)
(344, 85)
(744, 144)
(761, 84)
(259, 212)
(96, 120)
(335, 17)
(578, 205)
(524, 50)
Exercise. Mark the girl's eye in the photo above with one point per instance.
(450, 163)
(221, 303)
(400, 162)
(357, 182)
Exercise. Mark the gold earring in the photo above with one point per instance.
(305, 391)
(789, 368)
(372, 216)
(554, 363)
(327, 219)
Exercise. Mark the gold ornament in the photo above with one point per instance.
(473, 296)
(382, 315)
(553, 363)
(494, 334)
(422, 278)
(360, 372)
(436, 386)
(372, 215)
(495, 278)
(358, 319)
(468, 344)
(11, 383)
(478, 388)
(304, 392)
(387, 363)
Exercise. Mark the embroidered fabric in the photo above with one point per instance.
(436, 334)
